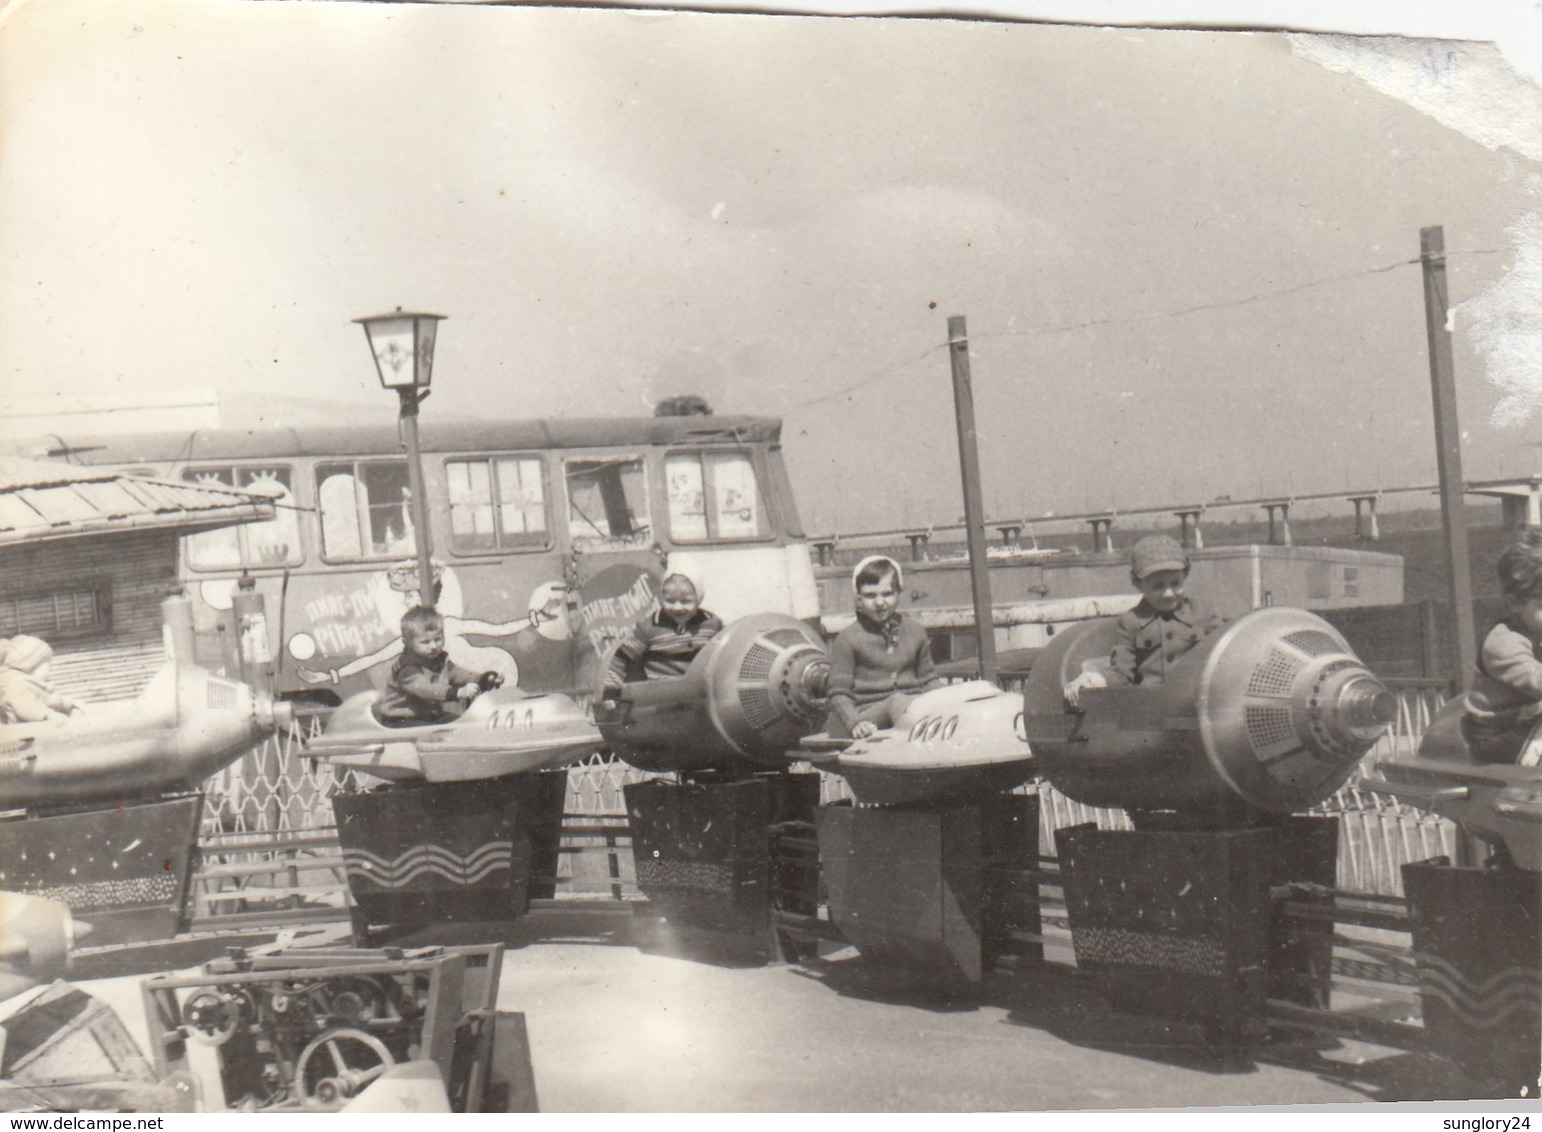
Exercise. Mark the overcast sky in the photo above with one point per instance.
(1182, 255)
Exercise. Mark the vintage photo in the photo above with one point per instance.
(598, 560)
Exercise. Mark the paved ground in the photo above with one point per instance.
(623, 1018)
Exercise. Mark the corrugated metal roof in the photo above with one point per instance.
(43, 500)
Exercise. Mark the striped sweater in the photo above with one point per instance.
(658, 647)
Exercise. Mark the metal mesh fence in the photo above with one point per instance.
(1377, 834)
(273, 788)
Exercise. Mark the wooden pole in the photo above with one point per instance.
(1448, 452)
(1448, 455)
(974, 510)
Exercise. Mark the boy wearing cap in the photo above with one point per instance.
(1165, 623)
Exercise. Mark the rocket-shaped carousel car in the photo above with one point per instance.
(954, 743)
(186, 725)
(1269, 715)
(504, 731)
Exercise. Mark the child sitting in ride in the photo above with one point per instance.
(665, 643)
(425, 685)
(1506, 697)
(1165, 623)
(26, 692)
(882, 660)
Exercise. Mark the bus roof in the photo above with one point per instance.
(201, 445)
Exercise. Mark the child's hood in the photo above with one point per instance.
(873, 560)
(686, 566)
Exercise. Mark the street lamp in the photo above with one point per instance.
(403, 346)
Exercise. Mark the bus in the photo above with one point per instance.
(547, 538)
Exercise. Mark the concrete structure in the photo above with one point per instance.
(1520, 500)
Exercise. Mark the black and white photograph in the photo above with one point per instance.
(594, 559)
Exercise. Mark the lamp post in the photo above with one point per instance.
(403, 346)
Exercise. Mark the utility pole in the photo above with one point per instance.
(1448, 455)
(974, 511)
(1448, 452)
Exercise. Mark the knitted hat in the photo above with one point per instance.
(873, 560)
(1157, 552)
(687, 567)
(25, 653)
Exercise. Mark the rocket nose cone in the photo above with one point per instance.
(78, 930)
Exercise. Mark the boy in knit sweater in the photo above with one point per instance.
(882, 660)
(1506, 697)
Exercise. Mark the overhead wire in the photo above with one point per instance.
(1062, 328)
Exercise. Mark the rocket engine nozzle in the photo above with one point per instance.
(1361, 706)
(270, 713)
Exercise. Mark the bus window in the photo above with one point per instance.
(497, 502)
(272, 543)
(608, 504)
(712, 496)
(366, 510)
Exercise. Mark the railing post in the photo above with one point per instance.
(1188, 527)
(1279, 535)
(1370, 505)
(1102, 536)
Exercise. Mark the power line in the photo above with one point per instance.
(868, 380)
(1062, 328)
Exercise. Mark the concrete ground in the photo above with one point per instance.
(616, 1028)
(623, 1017)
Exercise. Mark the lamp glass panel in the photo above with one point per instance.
(391, 341)
(428, 329)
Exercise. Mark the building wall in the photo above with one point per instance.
(134, 572)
